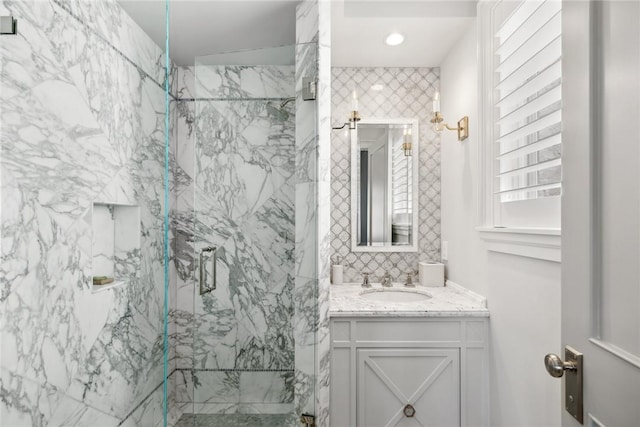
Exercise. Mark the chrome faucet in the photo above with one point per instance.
(386, 280)
(409, 282)
(365, 280)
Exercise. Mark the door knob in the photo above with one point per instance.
(572, 363)
(556, 366)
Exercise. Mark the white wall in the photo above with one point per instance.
(523, 293)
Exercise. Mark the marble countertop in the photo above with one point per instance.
(451, 300)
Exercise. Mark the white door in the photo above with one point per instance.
(601, 206)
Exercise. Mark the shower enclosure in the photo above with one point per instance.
(247, 289)
(160, 248)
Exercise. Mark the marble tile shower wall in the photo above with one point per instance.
(235, 349)
(407, 92)
(313, 18)
(253, 173)
(82, 121)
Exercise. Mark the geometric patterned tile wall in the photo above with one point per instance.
(407, 92)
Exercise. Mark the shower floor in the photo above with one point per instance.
(235, 420)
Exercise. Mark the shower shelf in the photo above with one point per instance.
(115, 243)
(114, 284)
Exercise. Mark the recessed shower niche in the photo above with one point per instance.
(115, 244)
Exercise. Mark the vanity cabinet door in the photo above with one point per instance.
(388, 380)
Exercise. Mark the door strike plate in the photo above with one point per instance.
(573, 384)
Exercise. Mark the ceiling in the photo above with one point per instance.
(358, 28)
(431, 28)
(206, 27)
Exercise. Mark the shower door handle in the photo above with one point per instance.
(203, 271)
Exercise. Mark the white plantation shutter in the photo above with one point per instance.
(527, 102)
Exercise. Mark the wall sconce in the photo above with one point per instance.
(354, 117)
(407, 146)
(463, 123)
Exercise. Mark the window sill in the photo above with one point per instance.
(536, 243)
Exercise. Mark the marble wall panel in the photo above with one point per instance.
(312, 139)
(244, 206)
(182, 224)
(253, 191)
(111, 23)
(242, 82)
(237, 150)
(103, 241)
(83, 122)
(323, 346)
(245, 392)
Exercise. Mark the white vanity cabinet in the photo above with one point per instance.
(409, 371)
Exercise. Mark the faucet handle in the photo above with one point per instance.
(386, 279)
(365, 280)
(409, 283)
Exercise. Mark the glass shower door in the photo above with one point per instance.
(253, 337)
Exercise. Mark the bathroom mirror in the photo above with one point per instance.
(384, 185)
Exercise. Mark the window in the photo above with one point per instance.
(521, 97)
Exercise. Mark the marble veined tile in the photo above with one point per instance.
(27, 232)
(80, 124)
(182, 340)
(184, 132)
(122, 366)
(223, 126)
(71, 412)
(247, 319)
(148, 413)
(54, 146)
(305, 234)
(182, 225)
(103, 241)
(40, 51)
(266, 387)
(45, 303)
(244, 155)
(242, 82)
(185, 83)
(240, 391)
(216, 387)
(307, 18)
(27, 403)
(111, 23)
(119, 190)
(125, 120)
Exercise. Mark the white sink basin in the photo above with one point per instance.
(394, 295)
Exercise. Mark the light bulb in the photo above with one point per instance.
(436, 102)
(394, 39)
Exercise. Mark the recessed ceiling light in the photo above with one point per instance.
(394, 39)
(377, 87)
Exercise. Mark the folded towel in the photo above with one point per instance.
(102, 280)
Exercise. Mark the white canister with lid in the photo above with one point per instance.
(431, 274)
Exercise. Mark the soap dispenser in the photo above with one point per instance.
(337, 271)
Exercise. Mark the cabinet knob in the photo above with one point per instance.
(409, 411)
